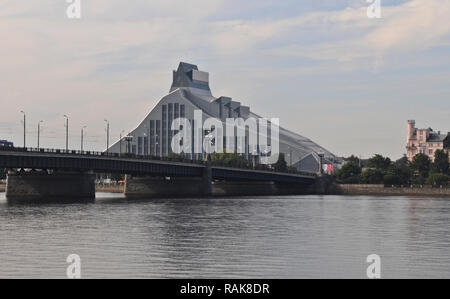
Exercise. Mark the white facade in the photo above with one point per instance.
(189, 92)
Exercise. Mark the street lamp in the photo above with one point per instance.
(82, 137)
(67, 132)
(39, 133)
(107, 136)
(24, 129)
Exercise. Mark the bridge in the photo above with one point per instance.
(59, 173)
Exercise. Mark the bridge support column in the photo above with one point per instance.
(236, 188)
(160, 187)
(293, 189)
(59, 186)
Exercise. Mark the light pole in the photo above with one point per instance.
(107, 136)
(82, 137)
(39, 133)
(67, 132)
(24, 129)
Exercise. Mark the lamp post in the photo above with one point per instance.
(67, 132)
(39, 134)
(82, 137)
(24, 129)
(107, 136)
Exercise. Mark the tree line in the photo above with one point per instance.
(381, 170)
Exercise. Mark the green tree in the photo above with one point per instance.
(353, 159)
(2, 174)
(379, 162)
(441, 162)
(281, 165)
(372, 176)
(230, 160)
(399, 173)
(438, 179)
(349, 173)
(421, 164)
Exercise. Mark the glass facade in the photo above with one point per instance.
(140, 143)
(164, 130)
(169, 128)
(152, 137)
(158, 138)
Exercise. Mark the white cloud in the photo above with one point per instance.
(116, 59)
(414, 26)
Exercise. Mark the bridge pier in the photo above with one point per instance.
(61, 186)
(243, 188)
(161, 187)
(293, 189)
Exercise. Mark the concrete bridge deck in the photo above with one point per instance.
(145, 175)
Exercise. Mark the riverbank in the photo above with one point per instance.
(109, 189)
(350, 189)
(335, 189)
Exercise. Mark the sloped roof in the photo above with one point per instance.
(203, 99)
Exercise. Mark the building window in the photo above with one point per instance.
(169, 127)
(182, 111)
(164, 131)
(146, 145)
(152, 137)
(177, 111)
(139, 145)
(158, 138)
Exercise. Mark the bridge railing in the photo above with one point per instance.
(96, 154)
(143, 157)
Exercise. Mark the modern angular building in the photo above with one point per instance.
(425, 141)
(190, 91)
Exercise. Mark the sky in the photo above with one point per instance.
(330, 73)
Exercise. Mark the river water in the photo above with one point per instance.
(249, 237)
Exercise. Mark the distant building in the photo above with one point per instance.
(425, 141)
(5, 143)
(190, 91)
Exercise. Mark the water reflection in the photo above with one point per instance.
(264, 237)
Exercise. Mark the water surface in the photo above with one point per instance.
(251, 237)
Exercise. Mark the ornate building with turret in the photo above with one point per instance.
(425, 141)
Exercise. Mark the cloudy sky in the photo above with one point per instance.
(323, 67)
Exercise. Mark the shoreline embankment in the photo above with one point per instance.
(360, 189)
(333, 189)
